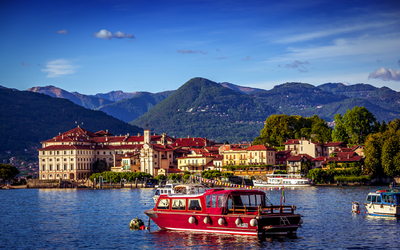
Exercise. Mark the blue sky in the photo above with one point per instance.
(100, 46)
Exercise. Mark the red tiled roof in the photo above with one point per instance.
(65, 147)
(334, 144)
(259, 148)
(283, 152)
(291, 141)
(299, 157)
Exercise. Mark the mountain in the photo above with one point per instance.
(86, 101)
(129, 109)
(116, 95)
(243, 90)
(121, 105)
(29, 118)
(204, 108)
(384, 97)
(326, 101)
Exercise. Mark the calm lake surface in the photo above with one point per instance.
(99, 219)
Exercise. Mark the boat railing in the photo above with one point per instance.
(260, 210)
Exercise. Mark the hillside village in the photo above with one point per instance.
(77, 153)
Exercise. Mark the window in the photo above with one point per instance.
(178, 204)
(50, 167)
(214, 200)
(194, 204)
(65, 166)
(72, 166)
(58, 167)
(163, 204)
(208, 201)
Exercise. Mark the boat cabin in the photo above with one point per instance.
(218, 201)
(383, 197)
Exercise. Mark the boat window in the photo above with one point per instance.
(397, 201)
(169, 191)
(194, 204)
(368, 198)
(245, 200)
(385, 198)
(214, 200)
(221, 200)
(208, 201)
(373, 198)
(157, 192)
(378, 199)
(230, 203)
(391, 199)
(163, 204)
(178, 204)
(252, 200)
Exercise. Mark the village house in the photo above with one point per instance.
(260, 155)
(303, 146)
(294, 162)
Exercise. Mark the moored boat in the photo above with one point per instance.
(384, 202)
(238, 212)
(178, 189)
(279, 180)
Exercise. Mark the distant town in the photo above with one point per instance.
(78, 153)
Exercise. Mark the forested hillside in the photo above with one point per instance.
(206, 109)
(27, 118)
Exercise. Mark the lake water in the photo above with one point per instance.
(99, 219)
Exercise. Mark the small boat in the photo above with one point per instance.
(167, 189)
(179, 189)
(279, 180)
(384, 202)
(233, 211)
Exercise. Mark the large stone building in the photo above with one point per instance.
(72, 155)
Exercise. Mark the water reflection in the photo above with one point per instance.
(99, 219)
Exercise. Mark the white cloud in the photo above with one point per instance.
(120, 35)
(107, 35)
(371, 46)
(59, 67)
(184, 51)
(386, 74)
(61, 31)
(324, 32)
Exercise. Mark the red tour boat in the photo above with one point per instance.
(239, 212)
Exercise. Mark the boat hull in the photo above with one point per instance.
(281, 224)
(280, 185)
(382, 210)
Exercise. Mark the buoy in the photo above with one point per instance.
(221, 221)
(192, 219)
(206, 220)
(136, 224)
(238, 221)
(355, 208)
(253, 222)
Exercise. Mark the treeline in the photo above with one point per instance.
(354, 127)
(382, 150)
(115, 177)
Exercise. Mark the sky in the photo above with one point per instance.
(108, 45)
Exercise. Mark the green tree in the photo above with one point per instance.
(359, 124)
(373, 153)
(8, 172)
(161, 177)
(277, 129)
(321, 130)
(100, 166)
(391, 153)
(339, 132)
(174, 177)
